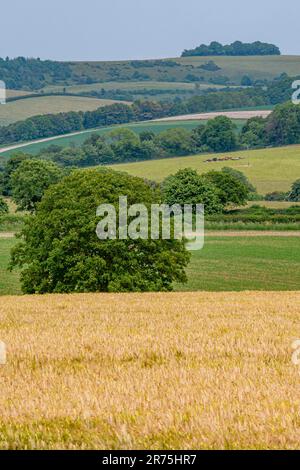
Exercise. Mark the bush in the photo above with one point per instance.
(60, 251)
(294, 195)
(276, 196)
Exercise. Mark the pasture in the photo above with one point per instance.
(150, 371)
(271, 169)
(24, 108)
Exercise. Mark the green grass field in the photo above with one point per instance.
(273, 169)
(24, 108)
(9, 281)
(245, 263)
(224, 264)
(78, 139)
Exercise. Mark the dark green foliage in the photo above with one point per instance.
(283, 125)
(231, 190)
(22, 73)
(188, 187)
(219, 135)
(60, 251)
(174, 142)
(258, 214)
(3, 206)
(237, 48)
(253, 133)
(11, 165)
(294, 195)
(30, 180)
(210, 66)
(276, 196)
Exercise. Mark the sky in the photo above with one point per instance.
(141, 29)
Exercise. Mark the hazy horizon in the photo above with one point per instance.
(118, 30)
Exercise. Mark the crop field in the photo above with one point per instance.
(150, 371)
(225, 263)
(21, 109)
(272, 169)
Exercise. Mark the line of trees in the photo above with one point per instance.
(236, 48)
(50, 125)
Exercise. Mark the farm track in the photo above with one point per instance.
(229, 114)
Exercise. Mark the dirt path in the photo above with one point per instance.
(252, 233)
(229, 114)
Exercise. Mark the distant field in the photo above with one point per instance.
(150, 371)
(79, 138)
(129, 86)
(21, 109)
(16, 93)
(257, 67)
(273, 169)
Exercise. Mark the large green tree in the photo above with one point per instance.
(60, 252)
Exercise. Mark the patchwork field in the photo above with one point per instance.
(150, 371)
(273, 169)
(24, 108)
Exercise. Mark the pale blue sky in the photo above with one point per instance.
(131, 29)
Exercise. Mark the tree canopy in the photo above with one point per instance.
(60, 252)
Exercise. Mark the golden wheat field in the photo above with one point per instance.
(150, 371)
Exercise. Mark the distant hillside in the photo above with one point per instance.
(35, 74)
(236, 48)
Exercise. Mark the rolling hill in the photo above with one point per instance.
(22, 109)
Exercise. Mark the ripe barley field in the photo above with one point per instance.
(154, 371)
